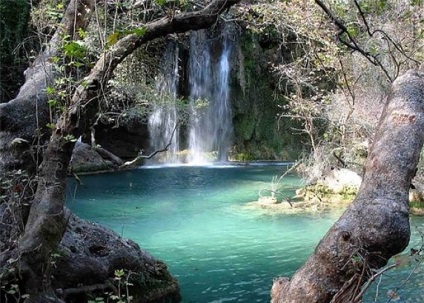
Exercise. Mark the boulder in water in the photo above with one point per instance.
(89, 256)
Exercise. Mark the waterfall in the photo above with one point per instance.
(163, 118)
(210, 125)
(208, 120)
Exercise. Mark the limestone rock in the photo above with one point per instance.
(338, 180)
(89, 254)
(86, 159)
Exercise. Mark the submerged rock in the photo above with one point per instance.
(268, 200)
(90, 257)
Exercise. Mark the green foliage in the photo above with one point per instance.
(161, 2)
(243, 157)
(82, 33)
(330, 90)
(74, 49)
(14, 41)
(112, 39)
(119, 273)
(52, 103)
(122, 284)
(416, 204)
(70, 138)
(115, 36)
(50, 90)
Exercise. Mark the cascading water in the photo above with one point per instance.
(210, 126)
(163, 120)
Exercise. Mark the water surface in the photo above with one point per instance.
(193, 218)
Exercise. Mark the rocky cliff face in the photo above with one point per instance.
(255, 103)
(259, 134)
(125, 140)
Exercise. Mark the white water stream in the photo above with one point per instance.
(209, 118)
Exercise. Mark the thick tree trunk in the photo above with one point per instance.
(23, 132)
(47, 222)
(26, 116)
(375, 226)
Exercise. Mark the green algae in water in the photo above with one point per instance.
(193, 219)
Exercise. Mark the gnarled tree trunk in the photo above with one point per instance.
(375, 226)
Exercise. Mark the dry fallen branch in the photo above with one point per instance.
(140, 158)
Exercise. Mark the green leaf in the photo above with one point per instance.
(119, 273)
(76, 64)
(352, 30)
(52, 103)
(161, 2)
(70, 138)
(381, 6)
(112, 39)
(50, 90)
(84, 83)
(74, 49)
(140, 31)
(366, 7)
(82, 33)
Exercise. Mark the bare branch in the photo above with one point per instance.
(139, 159)
(351, 43)
(371, 34)
(371, 280)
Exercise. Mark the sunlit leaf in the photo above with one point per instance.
(74, 49)
(50, 90)
(52, 102)
(140, 31)
(112, 39)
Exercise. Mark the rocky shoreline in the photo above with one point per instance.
(335, 190)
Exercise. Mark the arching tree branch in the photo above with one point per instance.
(351, 43)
